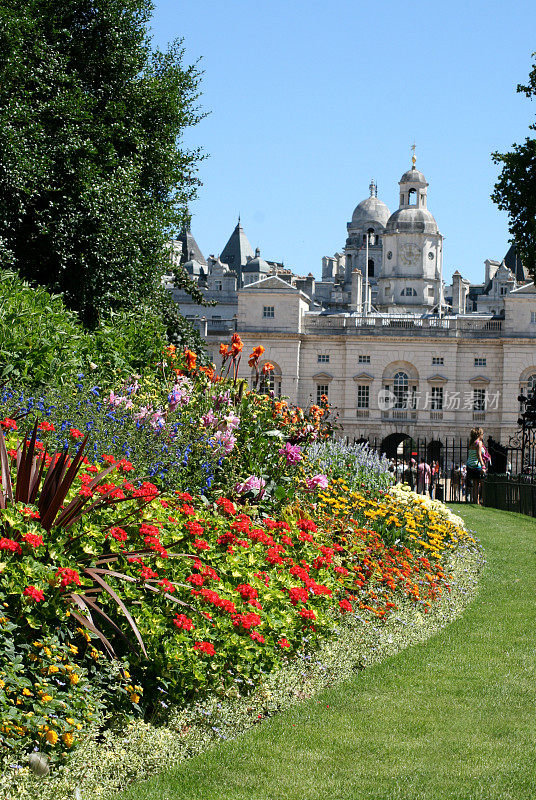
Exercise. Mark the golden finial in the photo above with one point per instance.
(413, 157)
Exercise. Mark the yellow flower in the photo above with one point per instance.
(27, 692)
(46, 698)
(68, 738)
(51, 737)
(73, 648)
(74, 678)
(135, 698)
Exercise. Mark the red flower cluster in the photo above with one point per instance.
(33, 593)
(182, 622)
(226, 505)
(8, 424)
(119, 534)
(33, 539)
(247, 621)
(67, 576)
(205, 647)
(10, 544)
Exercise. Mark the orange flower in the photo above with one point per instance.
(224, 349)
(191, 358)
(267, 368)
(209, 372)
(256, 354)
(237, 345)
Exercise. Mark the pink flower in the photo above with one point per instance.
(292, 453)
(317, 482)
(251, 484)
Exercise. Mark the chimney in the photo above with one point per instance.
(356, 295)
(460, 290)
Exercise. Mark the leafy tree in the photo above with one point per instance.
(94, 177)
(515, 190)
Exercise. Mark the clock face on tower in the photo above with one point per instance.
(410, 254)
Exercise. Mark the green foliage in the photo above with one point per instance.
(39, 339)
(93, 176)
(515, 189)
(43, 343)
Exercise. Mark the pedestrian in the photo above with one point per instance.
(476, 466)
(423, 476)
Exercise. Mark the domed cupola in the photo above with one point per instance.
(371, 210)
(412, 216)
(411, 274)
(363, 249)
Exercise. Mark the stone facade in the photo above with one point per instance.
(395, 350)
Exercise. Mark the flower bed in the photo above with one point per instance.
(125, 597)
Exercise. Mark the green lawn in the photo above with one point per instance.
(451, 719)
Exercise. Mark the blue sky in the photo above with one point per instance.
(309, 100)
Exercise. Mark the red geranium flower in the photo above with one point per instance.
(10, 544)
(283, 643)
(46, 426)
(200, 544)
(119, 534)
(205, 647)
(33, 539)
(68, 576)
(183, 622)
(34, 594)
(75, 433)
(8, 424)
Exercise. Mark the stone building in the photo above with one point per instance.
(396, 351)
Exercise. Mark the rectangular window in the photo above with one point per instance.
(218, 286)
(503, 290)
(323, 358)
(363, 396)
(437, 361)
(268, 311)
(533, 317)
(480, 362)
(364, 359)
(321, 388)
(437, 398)
(479, 399)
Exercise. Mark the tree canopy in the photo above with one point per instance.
(94, 176)
(515, 190)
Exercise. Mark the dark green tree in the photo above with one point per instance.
(515, 190)
(94, 176)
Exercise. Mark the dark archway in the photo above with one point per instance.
(434, 452)
(397, 445)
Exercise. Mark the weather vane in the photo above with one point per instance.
(413, 157)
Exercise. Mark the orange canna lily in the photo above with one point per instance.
(191, 358)
(267, 368)
(256, 354)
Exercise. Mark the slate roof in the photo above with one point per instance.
(236, 251)
(190, 248)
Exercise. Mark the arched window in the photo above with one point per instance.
(412, 197)
(408, 292)
(371, 267)
(531, 383)
(400, 389)
(268, 382)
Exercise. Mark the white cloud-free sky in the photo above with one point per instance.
(309, 100)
